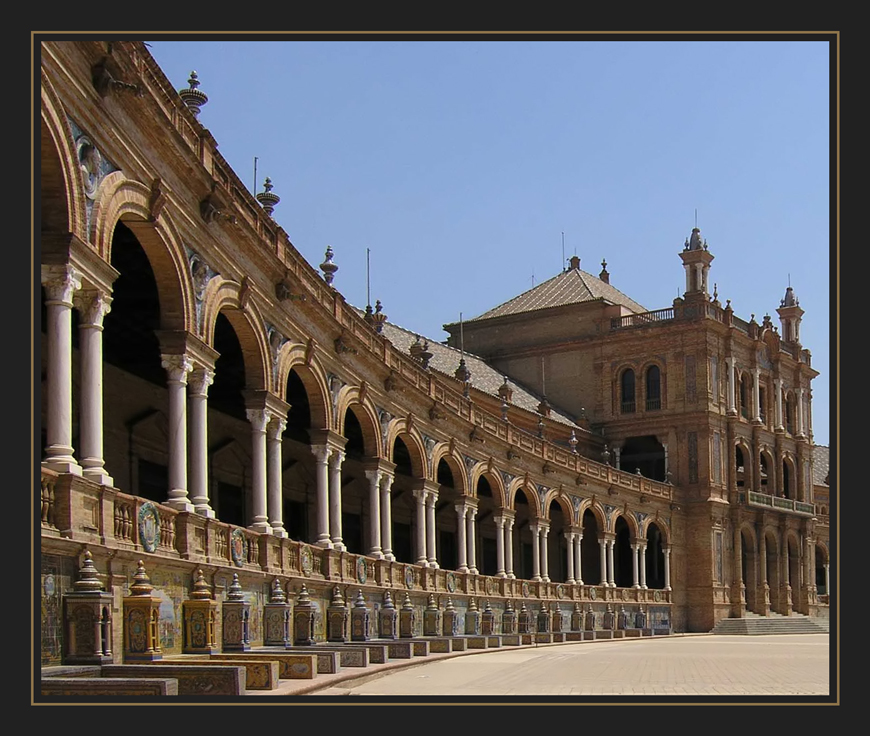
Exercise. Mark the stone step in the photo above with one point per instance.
(779, 624)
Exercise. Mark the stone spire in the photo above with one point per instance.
(790, 314)
(267, 198)
(696, 261)
(191, 96)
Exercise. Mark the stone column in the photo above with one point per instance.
(756, 396)
(499, 544)
(578, 567)
(828, 579)
(762, 555)
(60, 283)
(635, 564)
(461, 543)
(93, 307)
(667, 464)
(374, 478)
(642, 555)
(420, 495)
(569, 539)
(177, 367)
(321, 459)
(386, 517)
(603, 545)
(777, 387)
(667, 551)
(259, 418)
(472, 539)
(545, 571)
(730, 407)
(431, 497)
(611, 581)
(509, 547)
(276, 482)
(335, 461)
(799, 412)
(617, 451)
(200, 380)
(536, 551)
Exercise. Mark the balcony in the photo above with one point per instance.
(753, 498)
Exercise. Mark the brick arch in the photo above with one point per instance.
(293, 356)
(747, 531)
(663, 527)
(598, 511)
(531, 495)
(223, 297)
(456, 465)
(60, 168)
(633, 528)
(122, 200)
(481, 470)
(350, 399)
(554, 496)
(399, 428)
(820, 545)
(748, 461)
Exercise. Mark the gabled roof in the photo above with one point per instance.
(572, 286)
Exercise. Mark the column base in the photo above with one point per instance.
(389, 557)
(62, 464)
(98, 475)
(205, 510)
(280, 532)
(338, 546)
(325, 543)
(376, 553)
(180, 502)
(261, 526)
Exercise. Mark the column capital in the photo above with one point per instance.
(186, 343)
(60, 282)
(177, 366)
(93, 306)
(199, 380)
(258, 418)
(321, 452)
(277, 425)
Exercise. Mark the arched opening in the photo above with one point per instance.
(299, 497)
(745, 395)
(446, 518)
(764, 475)
(821, 572)
(403, 504)
(645, 454)
(740, 473)
(771, 566)
(557, 545)
(523, 560)
(487, 530)
(655, 557)
(653, 388)
(794, 564)
(622, 554)
(762, 404)
(789, 405)
(355, 500)
(749, 569)
(627, 393)
(590, 549)
(787, 479)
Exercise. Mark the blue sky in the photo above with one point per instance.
(460, 164)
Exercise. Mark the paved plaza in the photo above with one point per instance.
(690, 665)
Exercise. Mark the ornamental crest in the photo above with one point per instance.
(430, 446)
(149, 527)
(384, 417)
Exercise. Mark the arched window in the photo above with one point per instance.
(653, 388)
(789, 414)
(745, 392)
(762, 402)
(627, 392)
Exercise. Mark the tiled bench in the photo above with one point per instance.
(290, 666)
(260, 674)
(193, 679)
(327, 660)
(89, 686)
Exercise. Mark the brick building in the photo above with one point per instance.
(210, 402)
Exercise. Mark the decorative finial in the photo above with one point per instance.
(359, 601)
(88, 581)
(235, 591)
(191, 96)
(142, 584)
(277, 593)
(406, 603)
(303, 598)
(201, 589)
(337, 598)
(541, 426)
(572, 441)
(266, 198)
(472, 605)
(379, 317)
(462, 373)
(449, 606)
(328, 267)
(431, 604)
(388, 600)
(605, 455)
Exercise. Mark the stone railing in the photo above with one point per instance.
(643, 319)
(753, 498)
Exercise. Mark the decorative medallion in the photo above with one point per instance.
(409, 576)
(48, 585)
(361, 574)
(526, 590)
(237, 547)
(657, 596)
(490, 586)
(149, 526)
(306, 561)
(560, 591)
(451, 582)
(592, 593)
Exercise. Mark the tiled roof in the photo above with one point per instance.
(569, 287)
(821, 464)
(483, 377)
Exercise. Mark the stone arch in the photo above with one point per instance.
(626, 388)
(350, 398)
(293, 356)
(530, 493)
(59, 166)
(745, 478)
(597, 511)
(766, 471)
(652, 401)
(120, 199)
(493, 477)
(441, 452)
(663, 527)
(633, 528)
(248, 326)
(554, 495)
(400, 428)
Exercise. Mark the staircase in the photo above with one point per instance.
(775, 623)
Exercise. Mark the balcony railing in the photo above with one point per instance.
(641, 320)
(777, 502)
